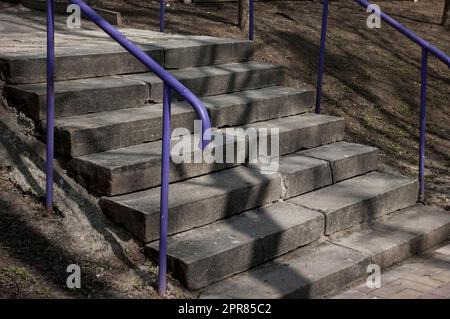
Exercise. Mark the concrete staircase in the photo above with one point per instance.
(305, 231)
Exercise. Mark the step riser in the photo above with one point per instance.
(256, 237)
(216, 84)
(123, 134)
(33, 70)
(145, 174)
(89, 63)
(307, 272)
(87, 100)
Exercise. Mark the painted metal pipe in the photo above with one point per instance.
(170, 82)
(251, 18)
(323, 37)
(164, 208)
(50, 105)
(423, 113)
(162, 13)
(159, 71)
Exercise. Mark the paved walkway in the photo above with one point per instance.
(425, 276)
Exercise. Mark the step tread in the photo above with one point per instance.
(205, 199)
(206, 71)
(108, 58)
(305, 272)
(351, 191)
(399, 235)
(322, 269)
(358, 199)
(218, 250)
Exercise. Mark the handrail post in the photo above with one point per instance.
(251, 17)
(423, 107)
(162, 12)
(323, 37)
(50, 104)
(165, 176)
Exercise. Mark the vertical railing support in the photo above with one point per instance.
(165, 175)
(251, 18)
(50, 104)
(423, 110)
(323, 37)
(162, 12)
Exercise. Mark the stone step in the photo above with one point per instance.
(93, 95)
(195, 202)
(218, 79)
(397, 236)
(102, 57)
(210, 253)
(360, 199)
(205, 199)
(322, 269)
(84, 134)
(77, 97)
(134, 168)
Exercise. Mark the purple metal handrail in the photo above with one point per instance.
(169, 83)
(426, 48)
(251, 18)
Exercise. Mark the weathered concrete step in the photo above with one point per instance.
(78, 96)
(397, 236)
(346, 159)
(219, 79)
(84, 134)
(133, 168)
(195, 202)
(205, 199)
(306, 272)
(323, 269)
(210, 253)
(96, 59)
(93, 95)
(138, 167)
(303, 173)
(360, 199)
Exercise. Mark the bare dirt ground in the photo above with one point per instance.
(372, 80)
(36, 249)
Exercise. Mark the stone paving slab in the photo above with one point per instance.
(426, 276)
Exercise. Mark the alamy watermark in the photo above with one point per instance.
(74, 19)
(374, 19)
(73, 281)
(374, 279)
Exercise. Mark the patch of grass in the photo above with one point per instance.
(18, 274)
